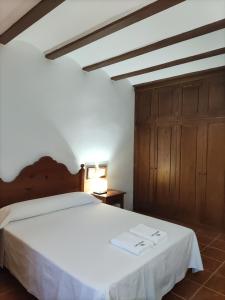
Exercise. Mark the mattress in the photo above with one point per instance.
(67, 255)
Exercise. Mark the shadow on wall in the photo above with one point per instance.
(54, 108)
(27, 132)
(30, 137)
(118, 172)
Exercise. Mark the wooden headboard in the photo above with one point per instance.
(46, 177)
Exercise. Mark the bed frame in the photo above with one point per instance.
(46, 177)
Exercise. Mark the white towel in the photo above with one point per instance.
(149, 233)
(131, 243)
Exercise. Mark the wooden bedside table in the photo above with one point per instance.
(112, 197)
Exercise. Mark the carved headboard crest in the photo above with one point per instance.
(46, 177)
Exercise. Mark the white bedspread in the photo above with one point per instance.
(66, 255)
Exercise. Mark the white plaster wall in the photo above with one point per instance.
(53, 108)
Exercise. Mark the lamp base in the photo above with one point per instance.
(100, 193)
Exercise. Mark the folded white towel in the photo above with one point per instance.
(148, 233)
(131, 243)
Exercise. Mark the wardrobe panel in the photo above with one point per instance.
(164, 157)
(188, 195)
(167, 102)
(214, 205)
(194, 98)
(190, 99)
(143, 106)
(217, 95)
(142, 166)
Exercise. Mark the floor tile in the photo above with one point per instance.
(199, 277)
(204, 238)
(202, 246)
(206, 294)
(210, 264)
(217, 283)
(186, 288)
(221, 271)
(211, 233)
(219, 243)
(222, 236)
(214, 253)
(171, 296)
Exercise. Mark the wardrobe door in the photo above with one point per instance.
(194, 99)
(216, 100)
(167, 103)
(180, 149)
(193, 106)
(144, 172)
(213, 206)
(190, 169)
(165, 157)
(143, 107)
(213, 203)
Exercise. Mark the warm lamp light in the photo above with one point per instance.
(99, 185)
(98, 182)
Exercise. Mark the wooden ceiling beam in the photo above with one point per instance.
(171, 64)
(160, 44)
(179, 78)
(119, 24)
(32, 16)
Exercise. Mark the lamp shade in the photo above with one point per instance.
(99, 185)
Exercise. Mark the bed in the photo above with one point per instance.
(65, 253)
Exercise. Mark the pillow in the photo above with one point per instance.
(36, 207)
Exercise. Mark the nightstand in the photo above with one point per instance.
(111, 197)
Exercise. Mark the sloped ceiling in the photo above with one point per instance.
(12, 10)
(75, 18)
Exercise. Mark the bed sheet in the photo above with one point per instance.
(66, 255)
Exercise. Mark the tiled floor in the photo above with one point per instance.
(206, 285)
(209, 284)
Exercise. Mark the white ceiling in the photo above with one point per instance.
(180, 18)
(12, 10)
(173, 52)
(203, 64)
(75, 18)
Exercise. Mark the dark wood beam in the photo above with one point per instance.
(178, 79)
(32, 16)
(119, 24)
(171, 63)
(160, 44)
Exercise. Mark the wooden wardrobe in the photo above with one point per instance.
(179, 168)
